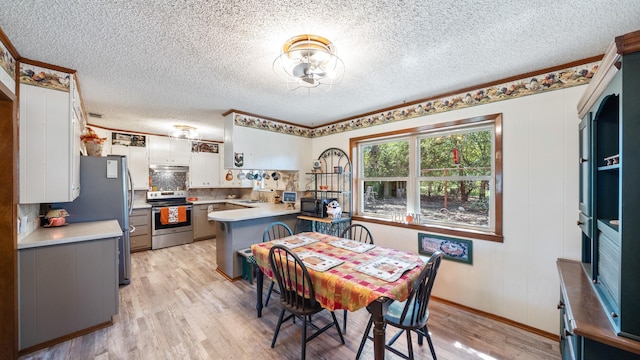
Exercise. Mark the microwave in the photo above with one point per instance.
(314, 207)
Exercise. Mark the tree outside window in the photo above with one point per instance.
(455, 177)
(386, 172)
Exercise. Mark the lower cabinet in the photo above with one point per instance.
(141, 237)
(203, 228)
(585, 330)
(65, 289)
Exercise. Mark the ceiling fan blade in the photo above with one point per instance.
(308, 80)
(301, 70)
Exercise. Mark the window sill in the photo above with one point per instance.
(471, 234)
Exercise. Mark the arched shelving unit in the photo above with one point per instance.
(331, 178)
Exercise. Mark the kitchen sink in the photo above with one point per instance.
(248, 201)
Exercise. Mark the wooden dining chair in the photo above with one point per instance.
(297, 295)
(275, 230)
(411, 314)
(356, 232)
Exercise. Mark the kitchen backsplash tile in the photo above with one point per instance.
(168, 180)
(31, 211)
(220, 193)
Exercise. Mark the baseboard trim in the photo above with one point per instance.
(65, 338)
(501, 319)
(229, 278)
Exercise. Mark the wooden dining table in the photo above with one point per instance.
(345, 286)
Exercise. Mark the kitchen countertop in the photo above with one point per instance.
(256, 210)
(211, 201)
(142, 204)
(71, 233)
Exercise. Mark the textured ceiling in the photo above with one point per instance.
(146, 65)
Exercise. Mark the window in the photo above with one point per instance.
(443, 178)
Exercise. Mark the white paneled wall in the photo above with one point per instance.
(516, 279)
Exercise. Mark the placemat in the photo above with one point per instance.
(385, 268)
(293, 242)
(317, 261)
(351, 245)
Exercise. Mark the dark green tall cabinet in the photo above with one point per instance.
(600, 295)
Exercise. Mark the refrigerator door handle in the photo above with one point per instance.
(130, 200)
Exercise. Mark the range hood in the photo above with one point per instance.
(169, 168)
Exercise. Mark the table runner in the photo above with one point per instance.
(342, 287)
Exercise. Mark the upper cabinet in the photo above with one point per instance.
(249, 148)
(168, 151)
(204, 168)
(134, 147)
(49, 136)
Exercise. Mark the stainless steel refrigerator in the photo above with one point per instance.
(106, 192)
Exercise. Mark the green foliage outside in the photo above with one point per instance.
(386, 160)
(441, 187)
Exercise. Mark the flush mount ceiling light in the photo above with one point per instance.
(308, 61)
(185, 132)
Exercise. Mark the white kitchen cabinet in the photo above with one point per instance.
(49, 145)
(137, 162)
(204, 170)
(168, 151)
(234, 182)
(263, 149)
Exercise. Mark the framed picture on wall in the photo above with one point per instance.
(452, 248)
(198, 146)
(128, 139)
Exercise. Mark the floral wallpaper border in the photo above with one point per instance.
(43, 77)
(7, 62)
(543, 82)
(199, 146)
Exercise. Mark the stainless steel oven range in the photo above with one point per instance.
(171, 218)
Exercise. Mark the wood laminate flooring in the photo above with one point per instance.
(178, 307)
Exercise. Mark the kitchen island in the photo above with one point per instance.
(68, 282)
(240, 228)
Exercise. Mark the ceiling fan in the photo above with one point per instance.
(308, 61)
(309, 73)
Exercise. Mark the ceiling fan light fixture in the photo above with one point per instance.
(308, 61)
(185, 132)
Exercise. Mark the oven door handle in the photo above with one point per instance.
(156, 209)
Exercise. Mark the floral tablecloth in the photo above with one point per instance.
(343, 287)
